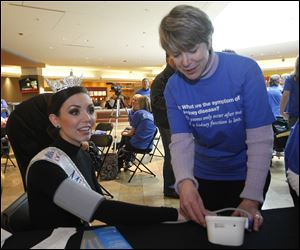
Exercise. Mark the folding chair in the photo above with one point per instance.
(281, 135)
(143, 152)
(103, 142)
(105, 126)
(155, 145)
(5, 147)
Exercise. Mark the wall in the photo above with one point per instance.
(10, 90)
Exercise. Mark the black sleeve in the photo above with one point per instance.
(45, 177)
(118, 212)
(157, 94)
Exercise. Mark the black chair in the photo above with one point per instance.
(143, 153)
(5, 148)
(26, 130)
(155, 146)
(105, 126)
(103, 142)
(15, 218)
(281, 135)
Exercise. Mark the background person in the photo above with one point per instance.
(61, 181)
(220, 120)
(141, 132)
(290, 97)
(159, 111)
(145, 90)
(274, 94)
(4, 116)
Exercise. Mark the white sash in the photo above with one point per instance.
(60, 158)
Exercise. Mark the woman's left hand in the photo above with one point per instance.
(252, 207)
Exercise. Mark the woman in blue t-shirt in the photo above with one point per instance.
(142, 129)
(220, 121)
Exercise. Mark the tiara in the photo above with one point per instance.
(67, 82)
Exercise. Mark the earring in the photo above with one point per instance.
(58, 126)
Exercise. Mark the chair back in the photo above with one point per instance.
(281, 134)
(103, 142)
(105, 126)
(149, 147)
(26, 129)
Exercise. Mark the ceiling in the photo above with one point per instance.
(124, 34)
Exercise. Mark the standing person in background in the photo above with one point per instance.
(291, 158)
(220, 120)
(283, 79)
(145, 90)
(159, 111)
(274, 94)
(290, 96)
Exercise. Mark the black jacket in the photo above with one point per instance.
(158, 103)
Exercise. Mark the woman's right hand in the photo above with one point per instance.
(191, 205)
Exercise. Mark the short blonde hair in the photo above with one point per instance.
(183, 28)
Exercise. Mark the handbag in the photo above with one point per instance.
(109, 169)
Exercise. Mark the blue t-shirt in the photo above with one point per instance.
(217, 111)
(4, 105)
(143, 123)
(145, 92)
(291, 153)
(293, 104)
(274, 94)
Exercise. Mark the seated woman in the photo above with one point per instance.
(141, 132)
(61, 182)
(291, 158)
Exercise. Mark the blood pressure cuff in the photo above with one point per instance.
(77, 199)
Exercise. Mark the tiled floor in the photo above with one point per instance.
(146, 189)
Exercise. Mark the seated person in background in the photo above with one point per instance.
(132, 110)
(61, 181)
(142, 129)
(4, 116)
(145, 90)
(291, 158)
(274, 94)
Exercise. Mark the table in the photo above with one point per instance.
(280, 231)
